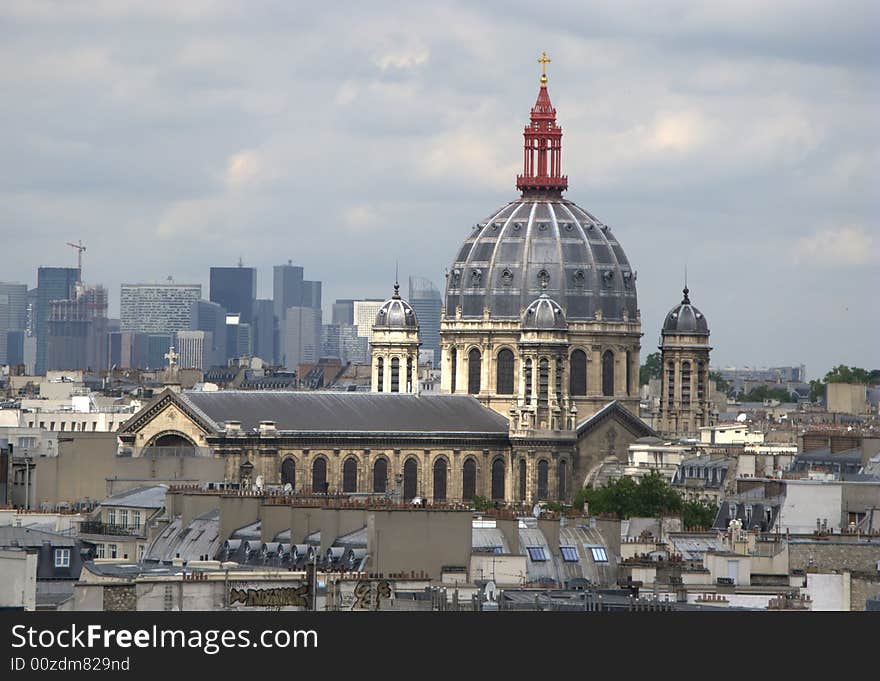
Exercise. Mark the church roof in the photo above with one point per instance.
(615, 409)
(685, 318)
(340, 412)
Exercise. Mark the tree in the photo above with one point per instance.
(721, 385)
(696, 514)
(763, 392)
(652, 368)
(845, 374)
(817, 390)
(650, 497)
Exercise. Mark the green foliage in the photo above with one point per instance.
(650, 497)
(696, 514)
(845, 374)
(762, 392)
(720, 384)
(652, 368)
(817, 390)
(481, 503)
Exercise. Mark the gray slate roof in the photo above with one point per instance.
(26, 537)
(348, 412)
(139, 497)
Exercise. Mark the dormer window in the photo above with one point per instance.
(62, 558)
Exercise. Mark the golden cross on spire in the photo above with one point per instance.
(543, 61)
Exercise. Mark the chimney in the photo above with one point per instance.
(268, 429)
(233, 427)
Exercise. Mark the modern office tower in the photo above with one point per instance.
(365, 315)
(194, 349)
(78, 330)
(53, 283)
(427, 302)
(301, 339)
(13, 314)
(211, 317)
(128, 350)
(158, 308)
(286, 288)
(157, 348)
(343, 311)
(311, 294)
(239, 339)
(15, 347)
(265, 331)
(343, 341)
(235, 288)
(291, 290)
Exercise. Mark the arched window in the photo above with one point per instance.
(498, 479)
(543, 479)
(409, 375)
(474, 369)
(504, 373)
(528, 386)
(380, 374)
(380, 475)
(608, 373)
(453, 361)
(628, 370)
(410, 479)
(440, 480)
(469, 480)
(349, 475)
(558, 378)
(562, 481)
(288, 472)
(686, 384)
(543, 380)
(395, 375)
(319, 475)
(670, 383)
(522, 479)
(701, 382)
(577, 384)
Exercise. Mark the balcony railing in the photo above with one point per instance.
(96, 527)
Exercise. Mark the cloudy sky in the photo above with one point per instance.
(738, 138)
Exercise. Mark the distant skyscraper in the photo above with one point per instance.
(301, 340)
(13, 313)
(157, 347)
(343, 341)
(128, 350)
(265, 330)
(78, 330)
(194, 348)
(291, 290)
(211, 318)
(15, 341)
(158, 308)
(53, 283)
(365, 315)
(239, 338)
(343, 311)
(426, 300)
(235, 288)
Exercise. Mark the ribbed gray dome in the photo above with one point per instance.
(396, 313)
(685, 318)
(544, 313)
(539, 241)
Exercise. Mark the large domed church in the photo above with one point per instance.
(541, 320)
(540, 336)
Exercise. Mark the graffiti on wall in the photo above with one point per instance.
(271, 598)
(369, 595)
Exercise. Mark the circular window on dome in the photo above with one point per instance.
(456, 277)
(506, 277)
(542, 226)
(476, 277)
(569, 227)
(517, 226)
(578, 278)
(496, 225)
(607, 277)
(544, 277)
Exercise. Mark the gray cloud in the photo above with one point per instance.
(736, 137)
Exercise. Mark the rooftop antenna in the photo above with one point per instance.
(240, 262)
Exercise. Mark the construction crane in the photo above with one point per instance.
(79, 256)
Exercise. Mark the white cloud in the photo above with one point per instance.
(849, 246)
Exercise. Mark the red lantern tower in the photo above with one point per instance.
(542, 153)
